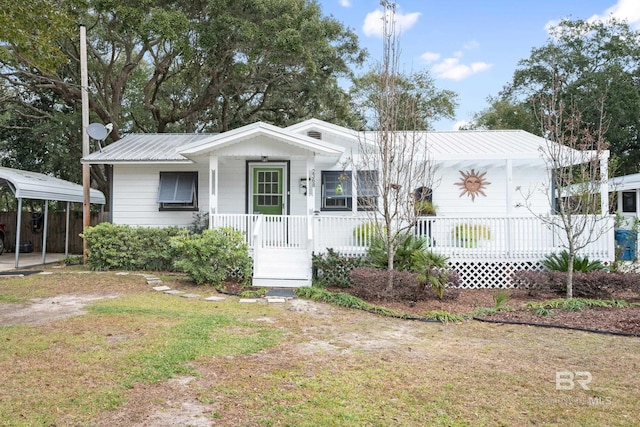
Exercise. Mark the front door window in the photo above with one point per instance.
(268, 191)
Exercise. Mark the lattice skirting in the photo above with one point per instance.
(490, 274)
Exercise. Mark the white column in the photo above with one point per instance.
(604, 183)
(311, 185)
(509, 179)
(214, 167)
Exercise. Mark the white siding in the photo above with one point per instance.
(135, 189)
(232, 185)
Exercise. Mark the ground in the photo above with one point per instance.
(467, 302)
(338, 360)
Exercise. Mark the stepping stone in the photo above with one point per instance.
(154, 282)
(280, 293)
(214, 298)
(247, 300)
(270, 300)
(45, 272)
(190, 296)
(161, 288)
(122, 273)
(173, 292)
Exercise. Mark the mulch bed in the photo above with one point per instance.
(466, 301)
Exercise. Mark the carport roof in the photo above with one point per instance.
(33, 185)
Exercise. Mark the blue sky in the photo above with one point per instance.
(470, 46)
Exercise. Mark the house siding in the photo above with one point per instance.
(135, 202)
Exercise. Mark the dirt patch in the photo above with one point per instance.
(44, 310)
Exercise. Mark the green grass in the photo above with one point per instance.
(317, 365)
(144, 338)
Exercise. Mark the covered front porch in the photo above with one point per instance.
(484, 251)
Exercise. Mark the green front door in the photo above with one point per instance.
(268, 190)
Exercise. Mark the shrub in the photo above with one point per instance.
(332, 269)
(433, 270)
(403, 259)
(560, 262)
(213, 256)
(364, 233)
(371, 283)
(594, 284)
(123, 247)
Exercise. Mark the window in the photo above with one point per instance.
(178, 191)
(629, 201)
(337, 190)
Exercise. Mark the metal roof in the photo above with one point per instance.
(482, 144)
(625, 183)
(263, 130)
(142, 147)
(442, 145)
(32, 185)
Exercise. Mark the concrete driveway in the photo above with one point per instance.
(27, 260)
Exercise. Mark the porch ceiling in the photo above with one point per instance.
(261, 130)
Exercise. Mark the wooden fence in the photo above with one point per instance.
(56, 231)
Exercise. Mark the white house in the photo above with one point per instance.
(290, 191)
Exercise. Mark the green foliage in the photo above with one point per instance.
(443, 316)
(560, 262)
(433, 270)
(573, 304)
(364, 233)
(213, 256)
(469, 234)
(332, 269)
(343, 300)
(123, 247)
(598, 62)
(424, 207)
(408, 244)
(500, 298)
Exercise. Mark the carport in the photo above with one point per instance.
(37, 186)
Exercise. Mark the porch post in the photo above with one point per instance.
(213, 187)
(509, 210)
(311, 185)
(509, 173)
(604, 183)
(354, 189)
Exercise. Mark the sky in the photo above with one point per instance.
(469, 46)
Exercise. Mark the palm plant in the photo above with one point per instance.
(560, 262)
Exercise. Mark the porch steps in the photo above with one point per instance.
(282, 268)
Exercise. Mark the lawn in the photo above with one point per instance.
(142, 357)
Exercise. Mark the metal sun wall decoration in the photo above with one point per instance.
(472, 184)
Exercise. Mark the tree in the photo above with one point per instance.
(399, 107)
(586, 63)
(184, 66)
(576, 156)
(506, 114)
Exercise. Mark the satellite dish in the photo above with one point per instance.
(97, 131)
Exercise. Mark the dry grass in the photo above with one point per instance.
(302, 363)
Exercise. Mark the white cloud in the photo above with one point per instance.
(429, 57)
(457, 125)
(452, 69)
(345, 3)
(373, 22)
(628, 10)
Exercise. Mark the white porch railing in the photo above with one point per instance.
(275, 231)
(459, 238)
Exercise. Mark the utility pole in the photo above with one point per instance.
(86, 172)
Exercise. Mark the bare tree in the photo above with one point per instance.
(394, 157)
(576, 156)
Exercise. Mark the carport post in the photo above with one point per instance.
(66, 234)
(44, 232)
(18, 227)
